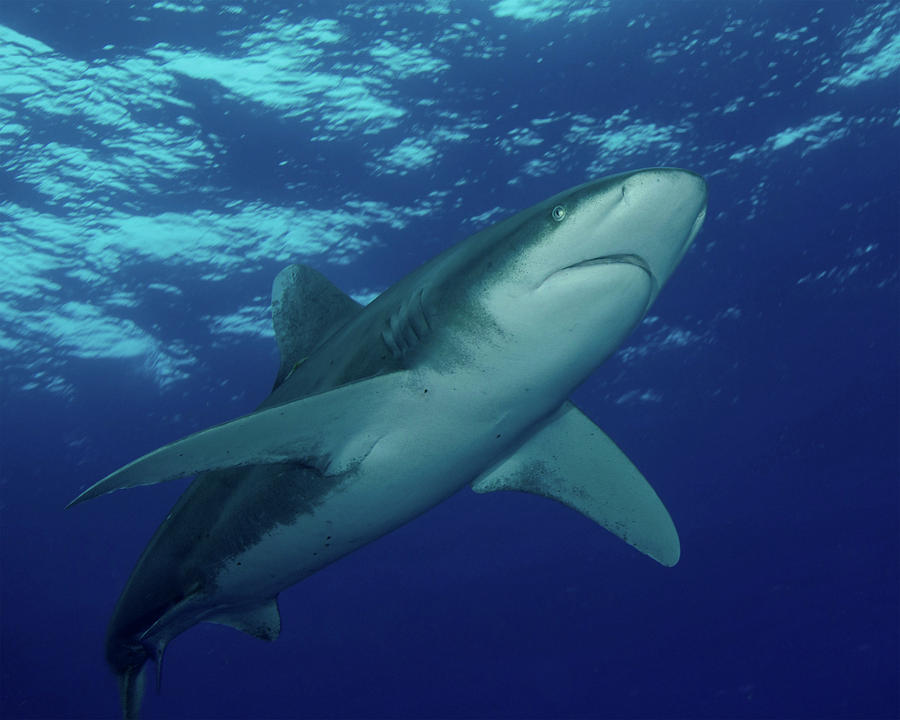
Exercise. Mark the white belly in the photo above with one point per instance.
(433, 444)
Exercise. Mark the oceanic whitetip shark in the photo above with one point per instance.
(457, 375)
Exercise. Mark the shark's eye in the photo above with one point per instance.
(558, 213)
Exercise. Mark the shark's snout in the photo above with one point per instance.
(661, 210)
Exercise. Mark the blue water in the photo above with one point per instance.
(162, 161)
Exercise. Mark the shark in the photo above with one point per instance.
(458, 375)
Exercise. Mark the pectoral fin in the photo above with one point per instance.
(573, 461)
(330, 431)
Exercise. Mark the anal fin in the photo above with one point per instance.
(571, 460)
(262, 621)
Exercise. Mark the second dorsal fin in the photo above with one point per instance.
(306, 308)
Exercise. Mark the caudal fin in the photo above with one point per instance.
(131, 691)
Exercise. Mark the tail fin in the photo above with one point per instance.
(131, 691)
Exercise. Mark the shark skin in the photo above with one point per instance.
(457, 375)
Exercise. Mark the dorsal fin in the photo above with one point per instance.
(306, 309)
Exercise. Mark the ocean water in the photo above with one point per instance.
(162, 161)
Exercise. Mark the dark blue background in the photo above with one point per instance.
(775, 445)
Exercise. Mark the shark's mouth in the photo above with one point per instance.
(626, 258)
(615, 259)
